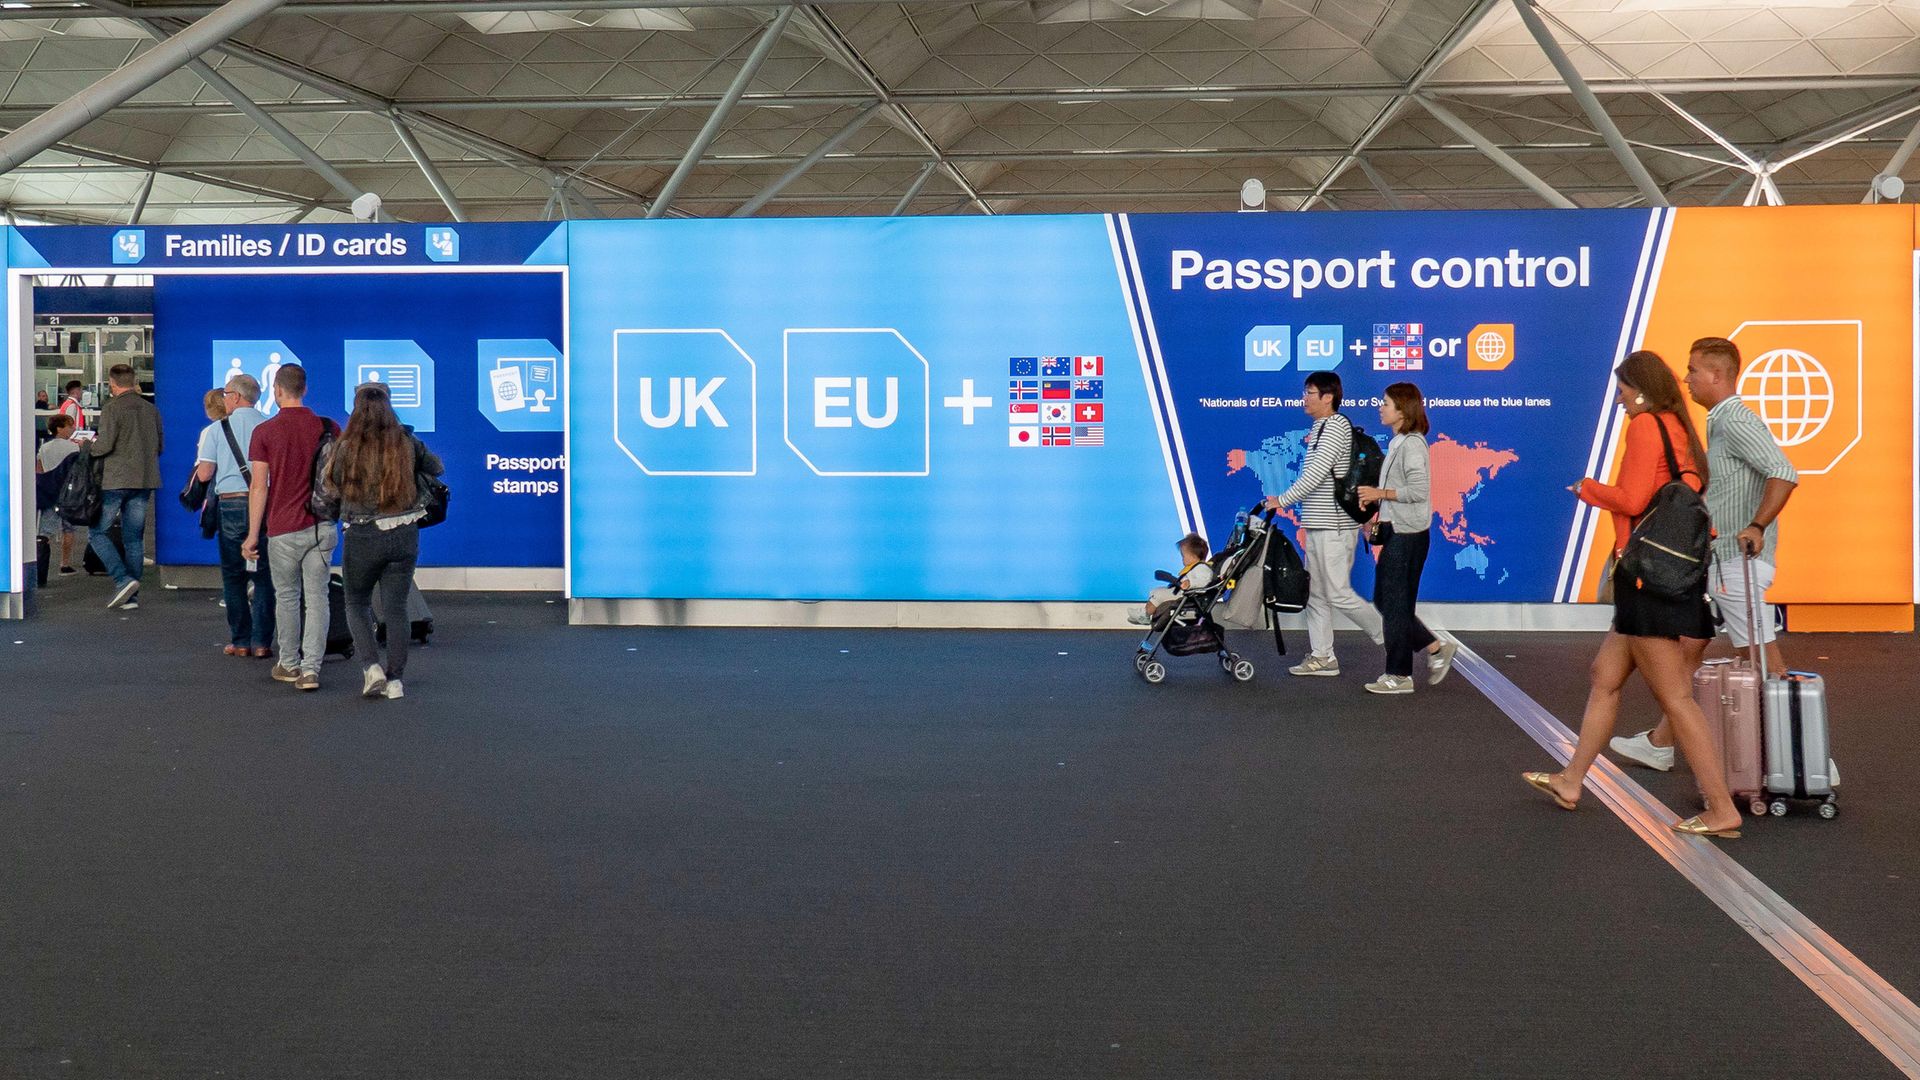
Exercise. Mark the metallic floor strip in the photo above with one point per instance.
(1876, 1010)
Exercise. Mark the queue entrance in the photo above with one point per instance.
(79, 333)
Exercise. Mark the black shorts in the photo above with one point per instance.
(1637, 613)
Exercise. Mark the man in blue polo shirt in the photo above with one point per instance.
(249, 622)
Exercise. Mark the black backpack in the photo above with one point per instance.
(320, 504)
(1668, 548)
(80, 493)
(1286, 573)
(1363, 470)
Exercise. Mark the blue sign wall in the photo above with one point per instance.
(434, 338)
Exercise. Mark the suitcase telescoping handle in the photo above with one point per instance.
(1755, 654)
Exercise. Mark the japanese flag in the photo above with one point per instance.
(1023, 436)
(1088, 365)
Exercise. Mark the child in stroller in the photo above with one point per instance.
(1179, 614)
(1194, 573)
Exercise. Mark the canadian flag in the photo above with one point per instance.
(1088, 365)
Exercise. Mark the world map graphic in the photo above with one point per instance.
(1460, 475)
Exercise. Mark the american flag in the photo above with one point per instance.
(1090, 435)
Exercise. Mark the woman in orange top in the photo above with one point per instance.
(1648, 630)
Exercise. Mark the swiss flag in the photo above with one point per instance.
(1088, 365)
(1023, 436)
(1089, 412)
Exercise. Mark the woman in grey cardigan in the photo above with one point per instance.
(1406, 514)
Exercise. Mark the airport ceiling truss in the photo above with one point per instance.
(274, 110)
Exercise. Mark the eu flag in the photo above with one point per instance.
(1023, 367)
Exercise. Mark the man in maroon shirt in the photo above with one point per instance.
(299, 545)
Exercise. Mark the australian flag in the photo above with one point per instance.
(1023, 367)
(1056, 367)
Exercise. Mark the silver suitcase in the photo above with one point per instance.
(1799, 758)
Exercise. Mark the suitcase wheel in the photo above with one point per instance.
(1829, 809)
(1778, 808)
(1758, 808)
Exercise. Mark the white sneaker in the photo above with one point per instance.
(1316, 665)
(1140, 618)
(394, 690)
(1391, 684)
(125, 593)
(1641, 751)
(1440, 662)
(375, 685)
(131, 605)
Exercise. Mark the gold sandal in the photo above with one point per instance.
(1544, 781)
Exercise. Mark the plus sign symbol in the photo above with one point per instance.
(967, 402)
(1359, 347)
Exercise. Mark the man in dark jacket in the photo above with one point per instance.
(129, 444)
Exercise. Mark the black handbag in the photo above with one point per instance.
(195, 496)
(1379, 532)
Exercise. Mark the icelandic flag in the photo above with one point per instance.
(1051, 389)
(1023, 389)
(1089, 412)
(1056, 412)
(1089, 365)
(1023, 367)
(1056, 367)
(1088, 388)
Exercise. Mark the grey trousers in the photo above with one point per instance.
(298, 562)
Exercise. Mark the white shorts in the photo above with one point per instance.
(1728, 587)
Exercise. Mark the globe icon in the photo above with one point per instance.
(1792, 392)
(1489, 347)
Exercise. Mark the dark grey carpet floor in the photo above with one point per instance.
(1858, 876)
(601, 853)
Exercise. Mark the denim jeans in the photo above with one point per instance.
(384, 558)
(1396, 588)
(249, 622)
(129, 507)
(298, 562)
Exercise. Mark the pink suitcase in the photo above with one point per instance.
(1729, 693)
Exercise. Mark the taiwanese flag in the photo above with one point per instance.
(1089, 412)
(1056, 367)
(1056, 389)
(1089, 365)
(1023, 367)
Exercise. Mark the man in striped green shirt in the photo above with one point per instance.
(1750, 482)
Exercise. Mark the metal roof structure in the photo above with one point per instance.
(516, 109)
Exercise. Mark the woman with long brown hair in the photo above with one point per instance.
(1647, 629)
(374, 469)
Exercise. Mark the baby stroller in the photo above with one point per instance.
(1188, 628)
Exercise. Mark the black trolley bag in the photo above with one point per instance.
(1799, 758)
